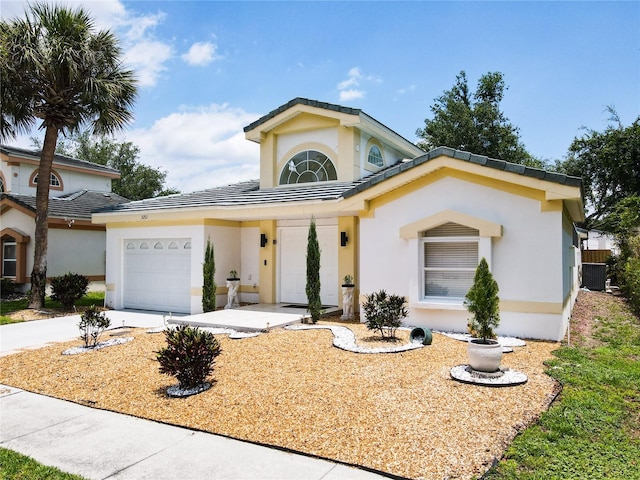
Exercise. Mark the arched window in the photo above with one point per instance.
(54, 182)
(307, 167)
(375, 156)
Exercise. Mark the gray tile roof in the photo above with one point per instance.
(59, 160)
(247, 194)
(78, 205)
(240, 194)
(302, 101)
(466, 157)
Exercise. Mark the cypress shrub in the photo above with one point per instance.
(313, 273)
(483, 302)
(208, 274)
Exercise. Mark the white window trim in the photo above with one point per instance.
(14, 259)
(442, 300)
(446, 303)
(381, 156)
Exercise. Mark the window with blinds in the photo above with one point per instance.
(450, 258)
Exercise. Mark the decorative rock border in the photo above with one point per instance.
(504, 378)
(345, 339)
(98, 346)
(177, 392)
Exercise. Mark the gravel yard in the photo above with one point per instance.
(398, 413)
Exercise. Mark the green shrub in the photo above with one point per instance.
(483, 302)
(69, 288)
(92, 323)
(7, 286)
(384, 313)
(189, 355)
(632, 283)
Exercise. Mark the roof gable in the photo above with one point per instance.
(342, 116)
(61, 162)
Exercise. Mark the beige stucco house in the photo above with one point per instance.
(74, 243)
(395, 217)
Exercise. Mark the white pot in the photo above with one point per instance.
(484, 356)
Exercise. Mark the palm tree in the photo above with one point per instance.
(57, 70)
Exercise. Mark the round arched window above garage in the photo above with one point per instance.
(307, 167)
(375, 156)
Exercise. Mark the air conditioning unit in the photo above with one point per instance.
(594, 275)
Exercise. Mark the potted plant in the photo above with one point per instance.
(233, 276)
(484, 352)
(347, 298)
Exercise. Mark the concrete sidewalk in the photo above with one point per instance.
(105, 445)
(38, 333)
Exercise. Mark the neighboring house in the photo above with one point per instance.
(598, 240)
(396, 218)
(74, 243)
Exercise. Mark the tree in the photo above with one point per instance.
(624, 224)
(473, 122)
(56, 69)
(313, 273)
(609, 164)
(137, 180)
(209, 283)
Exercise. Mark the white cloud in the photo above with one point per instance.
(200, 147)
(354, 72)
(346, 95)
(147, 59)
(138, 28)
(408, 89)
(200, 54)
(355, 78)
(349, 82)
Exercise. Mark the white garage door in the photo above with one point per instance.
(157, 274)
(293, 264)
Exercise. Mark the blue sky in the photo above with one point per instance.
(207, 69)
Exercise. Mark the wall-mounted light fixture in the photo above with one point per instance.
(344, 239)
(263, 240)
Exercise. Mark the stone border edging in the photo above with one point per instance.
(345, 339)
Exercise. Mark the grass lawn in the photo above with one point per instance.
(593, 430)
(8, 307)
(15, 466)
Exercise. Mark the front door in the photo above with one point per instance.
(292, 252)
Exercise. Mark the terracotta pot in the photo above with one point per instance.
(484, 355)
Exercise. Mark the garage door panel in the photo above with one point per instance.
(157, 274)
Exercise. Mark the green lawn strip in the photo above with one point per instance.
(6, 320)
(15, 466)
(593, 429)
(91, 298)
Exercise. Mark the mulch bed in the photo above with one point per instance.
(397, 413)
